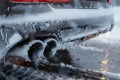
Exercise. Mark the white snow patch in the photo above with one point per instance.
(15, 38)
(93, 49)
(88, 48)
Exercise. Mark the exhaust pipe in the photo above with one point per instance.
(30, 52)
(35, 50)
(51, 48)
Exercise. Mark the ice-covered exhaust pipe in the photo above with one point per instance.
(31, 51)
(35, 50)
(51, 48)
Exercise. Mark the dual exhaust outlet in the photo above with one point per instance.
(36, 49)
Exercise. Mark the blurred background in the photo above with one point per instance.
(116, 2)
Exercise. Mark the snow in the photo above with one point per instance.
(77, 34)
(57, 15)
(92, 49)
(15, 38)
(11, 42)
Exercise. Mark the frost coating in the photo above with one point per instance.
(51, 47)
(12, 41)
(56, 15)
(15, 38)
(23, 51)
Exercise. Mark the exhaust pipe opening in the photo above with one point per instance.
(35, 50)
(32, 51)
(51, 48)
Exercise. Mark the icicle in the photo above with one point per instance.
(86, 28)
(51, 7)
(3, 55)
(8, 9)
(24, 27)
(33, 27)
(2, 35)
(4, 61)
(6, 38)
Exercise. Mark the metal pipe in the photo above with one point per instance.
(51, 48)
